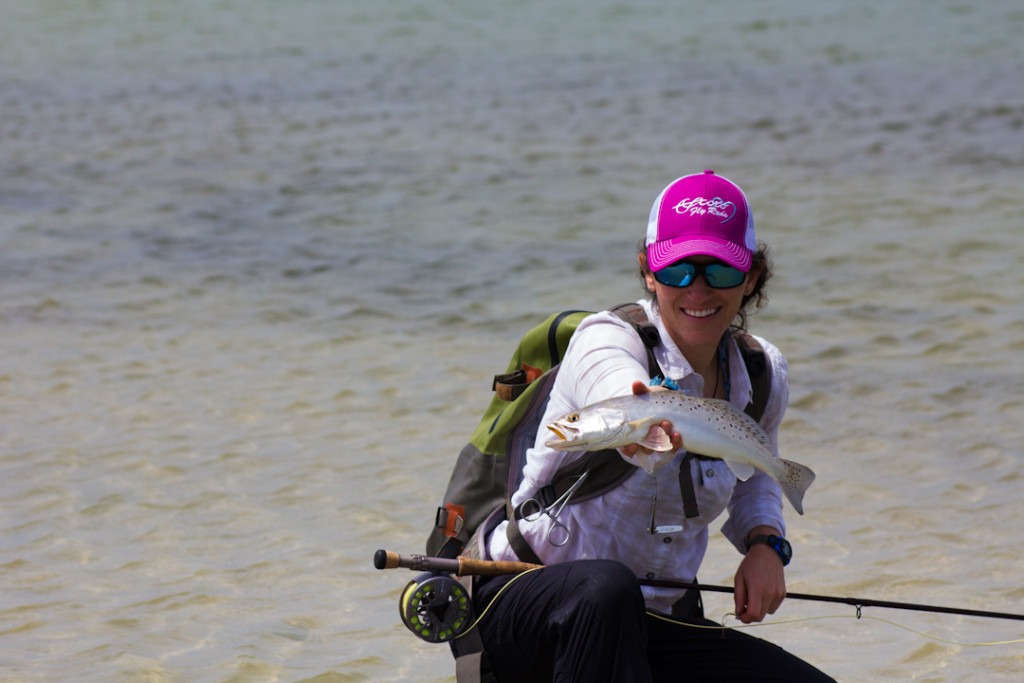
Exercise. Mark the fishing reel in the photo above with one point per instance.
(436, 607)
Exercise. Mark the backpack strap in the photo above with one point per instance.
(520, 546)
(471, 665)
(634, 314)
(606, 469)
(758, 369)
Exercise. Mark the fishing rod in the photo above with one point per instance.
(856, 602)
(437, 608)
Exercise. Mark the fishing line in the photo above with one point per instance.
(858, 617)
(494, 600)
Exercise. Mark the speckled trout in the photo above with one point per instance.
(709, 427)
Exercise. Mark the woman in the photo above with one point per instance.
(585, 616)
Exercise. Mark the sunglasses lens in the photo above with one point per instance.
(676, 275)
(717, 275)
(723, 277)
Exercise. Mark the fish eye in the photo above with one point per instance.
(573, 418)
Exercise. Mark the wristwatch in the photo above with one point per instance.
(776, 543)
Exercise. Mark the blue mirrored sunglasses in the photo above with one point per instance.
(717, 275)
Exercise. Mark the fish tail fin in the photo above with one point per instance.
(795, 482)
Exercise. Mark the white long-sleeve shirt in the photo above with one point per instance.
(604, 358)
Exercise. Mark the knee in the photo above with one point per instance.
(606, 588)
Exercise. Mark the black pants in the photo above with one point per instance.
(585, 622)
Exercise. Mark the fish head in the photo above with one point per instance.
(590, 429)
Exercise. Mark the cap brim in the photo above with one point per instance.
(667, 252)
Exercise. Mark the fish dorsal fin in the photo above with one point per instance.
(742, 470)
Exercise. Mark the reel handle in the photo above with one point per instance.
(461, 566)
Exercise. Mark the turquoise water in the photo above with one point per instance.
(260, 260)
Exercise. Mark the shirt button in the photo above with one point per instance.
(650, 575)
(710, 473)
(667, 539)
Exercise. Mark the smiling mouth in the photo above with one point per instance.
(702, 313)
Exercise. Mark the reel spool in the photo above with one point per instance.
(435, 607)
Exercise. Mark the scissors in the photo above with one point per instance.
(558, 533)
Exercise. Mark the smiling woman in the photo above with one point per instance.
(591, 614)
(236, 238)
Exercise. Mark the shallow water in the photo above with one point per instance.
(260, 262)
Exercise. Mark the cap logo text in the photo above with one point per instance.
(699, 206)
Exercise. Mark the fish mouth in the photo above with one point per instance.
(559, 434)
(569, 438)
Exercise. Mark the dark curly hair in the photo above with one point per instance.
(758, 296)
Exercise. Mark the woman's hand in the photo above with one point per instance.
(677, 439)
(760, 581)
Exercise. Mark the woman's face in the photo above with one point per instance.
(697, 316)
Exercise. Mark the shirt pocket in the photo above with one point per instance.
(713, 482)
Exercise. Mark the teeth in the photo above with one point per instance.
(701, 314)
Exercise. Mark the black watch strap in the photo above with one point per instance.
(776, 543)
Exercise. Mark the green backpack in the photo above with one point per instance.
(490, 467)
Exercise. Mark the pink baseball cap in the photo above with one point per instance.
(701, 214)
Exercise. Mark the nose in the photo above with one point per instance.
(699, 289)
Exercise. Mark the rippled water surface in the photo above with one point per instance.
(260, 260)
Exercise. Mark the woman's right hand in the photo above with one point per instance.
(677, 439)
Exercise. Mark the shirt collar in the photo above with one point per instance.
(675, 366)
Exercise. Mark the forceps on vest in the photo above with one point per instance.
(558, 534)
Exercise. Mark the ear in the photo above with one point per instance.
(647, 272)
(752, 277)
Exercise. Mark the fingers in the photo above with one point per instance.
(753, 609)
(640, 388)
(756, 607)
(747, 601)
(748, 606)
(739, 597)
(677, 438)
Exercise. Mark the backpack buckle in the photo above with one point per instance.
(451, 519)
(510, 386)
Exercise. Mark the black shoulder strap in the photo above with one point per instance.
(759, 371)
(635, 315)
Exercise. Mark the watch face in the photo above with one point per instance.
(782, 547)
